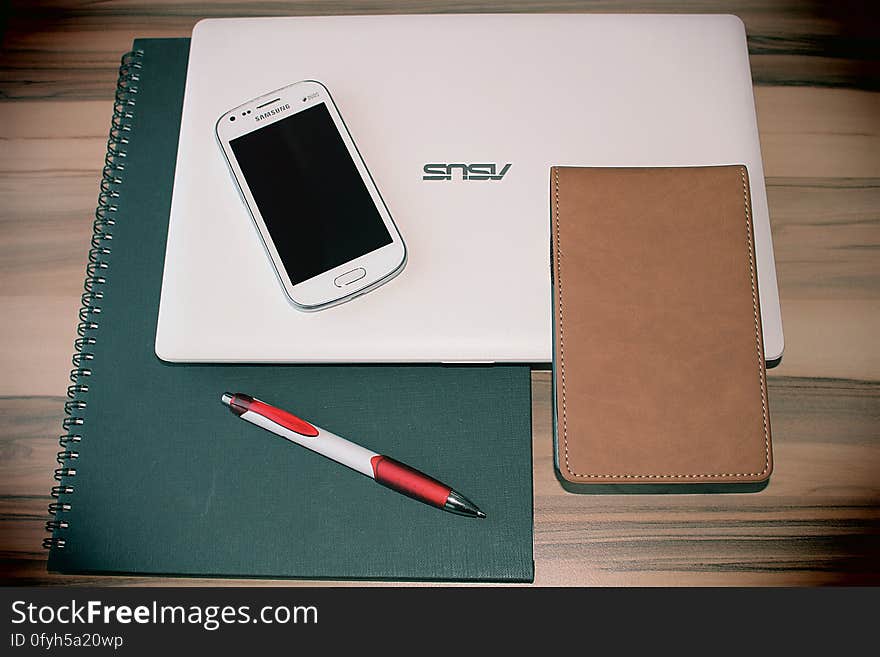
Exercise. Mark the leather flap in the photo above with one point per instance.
(659, 364)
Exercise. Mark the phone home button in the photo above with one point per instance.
(350, 277)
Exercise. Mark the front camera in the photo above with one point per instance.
(232, 118)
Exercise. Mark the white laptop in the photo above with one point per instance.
(528, 91)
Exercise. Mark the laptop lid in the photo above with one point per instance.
(424, 98)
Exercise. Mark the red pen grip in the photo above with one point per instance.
(409, 481)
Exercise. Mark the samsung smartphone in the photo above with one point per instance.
(316, 207)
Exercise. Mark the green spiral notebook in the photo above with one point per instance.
(157, 477)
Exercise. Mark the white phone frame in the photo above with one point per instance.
(322, 290)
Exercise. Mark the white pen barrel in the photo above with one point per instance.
(325, 443)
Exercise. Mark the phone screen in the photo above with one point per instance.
(316, 207)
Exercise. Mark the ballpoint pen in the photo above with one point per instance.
(385, 470)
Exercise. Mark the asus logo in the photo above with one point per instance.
(468, 171)
(271, 112)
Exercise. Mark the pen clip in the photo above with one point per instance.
(241, 404)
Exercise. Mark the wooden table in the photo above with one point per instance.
(816, 68)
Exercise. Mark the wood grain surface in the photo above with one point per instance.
(816, 67)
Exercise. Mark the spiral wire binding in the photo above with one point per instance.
(90, 312)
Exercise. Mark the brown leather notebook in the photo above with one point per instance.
(658, 357)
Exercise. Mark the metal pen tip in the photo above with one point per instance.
(226, 398)
(458, 503)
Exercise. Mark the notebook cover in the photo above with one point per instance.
(167, 481)
(658, 366)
